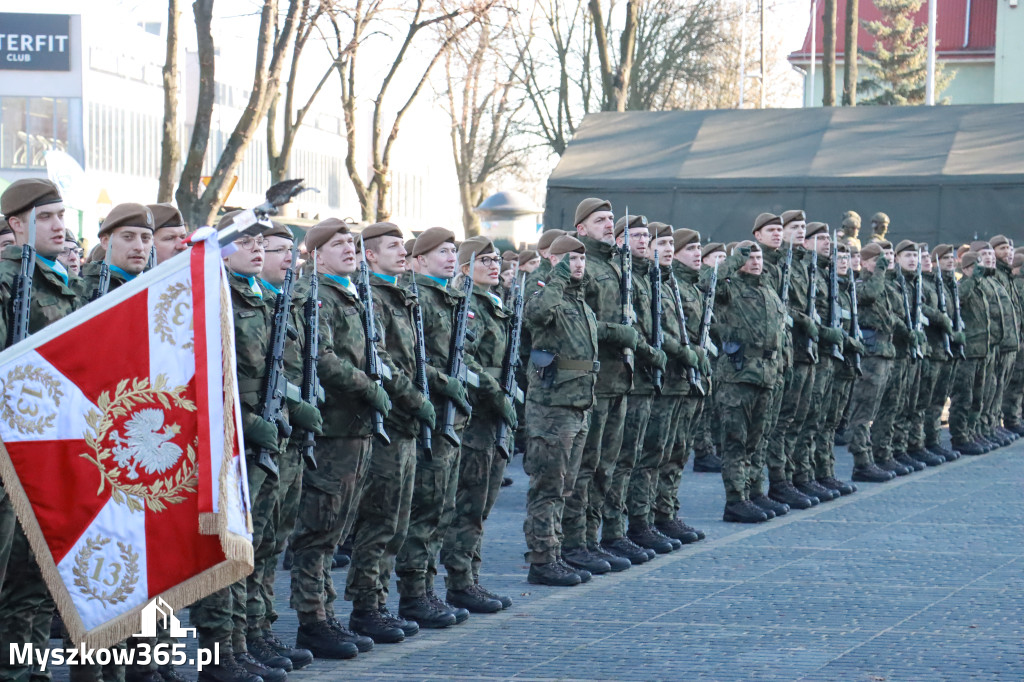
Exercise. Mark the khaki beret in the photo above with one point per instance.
(790, 216)
(165, 215)
(684, 237)
(815, 228)
(509, 254)
(432, 238)
(227, 219)
(5, 227)
(968, 259)
(548, 237)
(941, 250)
(321, 233)
(478, 246)
(69, 236)
(279, 230)
(410, 244)
(96, 254)
(1018, 260)
(634, 222)
(28, 193)
(382, 229)
(127, 215)
(659, 230)
(710, 248)
(998, 240)
(871, 250)
(1019, 249)
(765, 219)
(747, 243)
(880, 219)
(851, 219)
(590, 206)
(566, 244)
(885, 243)
(507, 265)
(980, 245)
(962, 249)
(729, 248)
(527, 256)
(923, 246)
(905, 245)
(842, 248)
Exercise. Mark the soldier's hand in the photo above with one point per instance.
(658, 358)
(508, 413)
(689, 357)
(945, 323)
(454, 389)
(305, 416)
(808, 326)
(562, 268)
(624, 335)
(920, 338)
(958, 338)
(881, 263)
(260, 432)
(854, 346)
(704, 361)
(379, 400)
(426, 414)
(831, 335)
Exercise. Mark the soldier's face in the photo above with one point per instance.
(6, 239)
(277, 259)
(387, 256)
(948, 262)
(820, 243)
(793, 233)
(530, 265)
(855, 261)
(507, 277)
(908, 259)
(440, 262)
(49, 229)
(487, 271)
(869, 264)
(71, 257)
(577, 265)
(599, 225)
(129, 248)
(842, 264)
(689, 255)
(754, 264)
(926, 261)
(249, 257)
(987, 257)
(663, 247)
(338, 255)
(713, 259)
(890, 257)
(639, 241)
(169, 241)
(770, 235)
(1004, 252)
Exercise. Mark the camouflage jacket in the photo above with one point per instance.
(974, 309)
(1002, 321)
(392, 307)
(930, 308)
(1018, 284)
(603, 298)
(752, 323)
(643, 306)
(562, 325)
(901, 339)
(774, 260)
(490, 327)
(675, 379)
(845, 369)
(253, 318)
(293, 347)
(87, 282)
(1012, 305)
(342, 361)
(52, 299)
(876, 313)
(798, 289)
(538, 275)
(693, 294)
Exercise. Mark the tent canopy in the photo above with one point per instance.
(939, 172)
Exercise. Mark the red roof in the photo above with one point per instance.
(953, 17)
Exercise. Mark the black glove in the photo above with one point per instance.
(305, 416)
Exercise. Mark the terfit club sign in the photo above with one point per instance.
(35, 42)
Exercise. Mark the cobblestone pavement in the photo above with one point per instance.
(921, 578)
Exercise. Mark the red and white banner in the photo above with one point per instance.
(120, 448)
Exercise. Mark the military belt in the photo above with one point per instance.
(579, 365)
(494, 372)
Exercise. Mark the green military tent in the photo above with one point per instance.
(944, 173)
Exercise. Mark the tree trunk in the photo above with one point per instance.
(828, 62)
(170, 153)
(187, 194)
(850, 54)
(627, 49)
(603, 56)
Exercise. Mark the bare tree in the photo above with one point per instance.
(483, 107)
(615, 77)
(355, 25)
(850, 55)
(271, 51)
(291, 120)
(828, 62)
(170, 153)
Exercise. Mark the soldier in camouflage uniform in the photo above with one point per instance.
(638, 411)
(482, 467)
(1013, 401)
(562, 378)
(126, 237)
(581, 520)
(169, 233)
(968, 387)
(1007, 353)
(943, 257)
(1003, 327)
(25, 603)
(330, 493)
(705, 438)
(751, 319)
(685, 268)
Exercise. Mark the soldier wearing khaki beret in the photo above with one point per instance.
(169, 231)
(126, 240)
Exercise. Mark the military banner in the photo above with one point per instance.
(120, 448)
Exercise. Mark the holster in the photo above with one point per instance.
(546, 364)
(734, 351)
(869, 338)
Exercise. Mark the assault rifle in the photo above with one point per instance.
(657, 333)
(918, 301)
(941, 290)
(457, 353)
(908, 318)
(787, 272)
(626, 289)
(958, 318)
(22, 299)
(704, 336)
(510, 365)
(855, 323)
(812, 293)
(692, 375)
(311, 351)
(834, 315)
(275, 383)
(426, 433)
(375, 368)
(103, 282)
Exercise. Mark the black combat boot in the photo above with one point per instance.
(767, 504)
(743, 511)
(814, 491)
(627, 549)
(929, 459)
(968, 448)
(944, 453)
(461, 614)
(363, 643)
(262, 652)
(506, 601)
(552, 573)
(250, 664)
(373, 624)
(424, 613)
(870, 473)
(407, 625)
(893, 466)
(908, 461)
(583, 573)
(834, 483)
(1016, 427)
(784, 492)
(618, 563)
(707, 463)
(641, 534)
(675, 528)
(581, 557)
(676, 544)
(472, 601)
(228, 670)
(324, 642)
(300, 657)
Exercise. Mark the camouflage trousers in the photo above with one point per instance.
(1003, 370)
(806, 455)
(26, 607)
(219, 619)
(381, 521)
(285, 514)
(264, 495)
(965, 399)
(833, 407)
(581, 518)
(989, 393)
(931, 370)
(655, 445)
(670, 473)
(480, 474)
(796, 401)
(884, 426)
(330, 496)
(638, 413)
(865, 400)
(743, 413)
(553, 453)
(907, 415)
(1013, 397)
(940, 393)
(435, 483)
(705, 437)
(766, 457)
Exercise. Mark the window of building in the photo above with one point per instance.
(31, 126)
